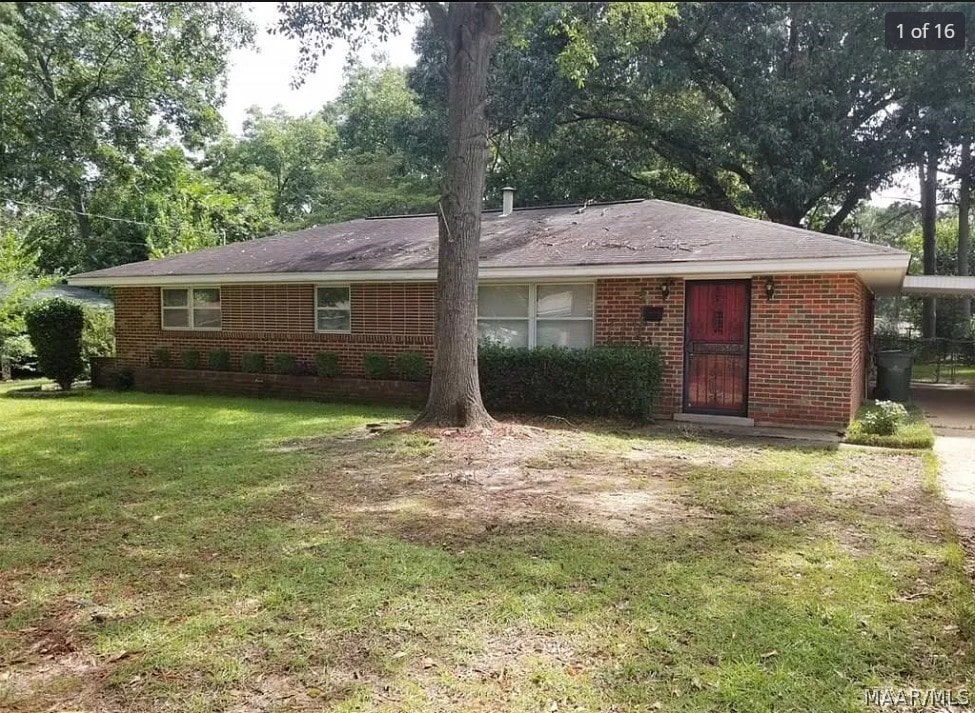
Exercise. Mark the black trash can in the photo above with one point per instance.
(894, 375)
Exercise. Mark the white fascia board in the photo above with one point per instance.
(895, 263)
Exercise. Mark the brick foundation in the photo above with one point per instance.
(283, 386)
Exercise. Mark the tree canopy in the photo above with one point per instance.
(112, 148)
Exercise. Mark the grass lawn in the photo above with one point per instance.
(915, 432)
(209, 554)
(929, 372)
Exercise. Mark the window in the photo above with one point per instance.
(191, 308)
(333, 309)
(503, 315)
(536, 315)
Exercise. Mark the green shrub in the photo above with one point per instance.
(17, 356)
(910, 431)
(163, 357)
(599, 381)
(219, 360)
(253, 363)
(191, 358)
(55, 328)
(411, 366)
(884, 418)
(377, 366)
(285, 364)
(327, 365)
(122, 379)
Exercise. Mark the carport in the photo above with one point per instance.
(938, 286)
(950, 409)
(940, 359)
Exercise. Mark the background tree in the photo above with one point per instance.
(469, 32)
(85, 83)
(466, 35)
(787, 111)
(19, 280)
(966, 177)
(288, 153)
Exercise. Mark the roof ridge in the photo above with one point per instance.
(517, 209)
(783, 226)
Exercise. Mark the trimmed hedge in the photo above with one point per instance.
(377, 366)
(411, 366)
(253, 363)
(55, 328)
(598, 381)
(219, 360)
(327, 365)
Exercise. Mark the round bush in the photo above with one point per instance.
(285, 364)
(411, 366)
(219, 360)
(884, 418)
(377, 366)
(253, 363)
(163, 357)
(327, 365)
(55, 328)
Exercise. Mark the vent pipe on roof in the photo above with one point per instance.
(507, 201)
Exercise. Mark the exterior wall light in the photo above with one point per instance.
(665, 289)
(769, 287)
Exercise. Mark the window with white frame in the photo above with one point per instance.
(191, 308)
(333, 309)
(536, 315)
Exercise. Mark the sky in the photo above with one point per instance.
(262, 75)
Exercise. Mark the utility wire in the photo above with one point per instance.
(113, 219)
(76, 212)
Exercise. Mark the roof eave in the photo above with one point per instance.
(892, 266)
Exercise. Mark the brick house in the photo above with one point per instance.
(757, 322)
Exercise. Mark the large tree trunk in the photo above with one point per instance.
(929, 218)
(470, 31)
(965, 227)
(81, 215)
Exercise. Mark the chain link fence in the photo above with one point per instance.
(936, 360)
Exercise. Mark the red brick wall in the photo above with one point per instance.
(806, 352)
(619, 320)
(806, 345)
(861, 343)
(273, 319)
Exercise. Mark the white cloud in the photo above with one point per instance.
(262, 75)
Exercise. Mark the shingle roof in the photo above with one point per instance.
(626, 233)
(70, 293)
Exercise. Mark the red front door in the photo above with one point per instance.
(716, 347)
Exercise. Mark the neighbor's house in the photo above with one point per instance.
(754, 320)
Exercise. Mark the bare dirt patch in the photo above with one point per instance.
(889, 486)
(474, 482)
(54, 658)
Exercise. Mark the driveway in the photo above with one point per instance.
(950, 409)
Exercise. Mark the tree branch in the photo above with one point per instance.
(438, 18)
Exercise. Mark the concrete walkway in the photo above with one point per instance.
(950, 409)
